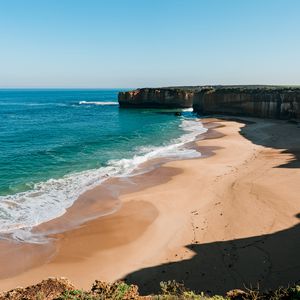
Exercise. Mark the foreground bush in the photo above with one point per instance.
(62, 289)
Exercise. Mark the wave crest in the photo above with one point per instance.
(98, 103)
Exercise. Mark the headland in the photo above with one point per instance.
(277, 102)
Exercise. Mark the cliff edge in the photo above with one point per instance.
(157, 98)
(265, 102)
(278, 102)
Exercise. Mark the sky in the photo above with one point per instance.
(148, 43)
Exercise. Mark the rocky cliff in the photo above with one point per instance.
(161, 97)
(257, 101)
(265, 102)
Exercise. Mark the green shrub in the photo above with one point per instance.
(77, 295)
(172, 287)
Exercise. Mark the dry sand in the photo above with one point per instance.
(218, 222)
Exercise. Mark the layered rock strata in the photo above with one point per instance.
(162, 97)
(256, 101)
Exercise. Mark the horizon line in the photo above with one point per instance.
(120, 88)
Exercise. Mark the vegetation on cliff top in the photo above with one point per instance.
(234, 88)
(63, 289)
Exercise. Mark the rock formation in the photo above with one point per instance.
(161, 97)
(256, 101)
(265, 102)
(47, 289)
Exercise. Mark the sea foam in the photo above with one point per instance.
(20, 212)
(98, 103)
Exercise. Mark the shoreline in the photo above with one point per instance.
(101, 201)
(62, 195)
(155, 224)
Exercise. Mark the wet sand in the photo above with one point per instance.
(243, 187)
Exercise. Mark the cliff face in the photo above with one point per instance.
(256, 101)
(278, 103)
(164, 97)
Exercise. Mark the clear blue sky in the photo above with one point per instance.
(137, 43)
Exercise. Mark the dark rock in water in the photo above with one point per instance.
(178, 113)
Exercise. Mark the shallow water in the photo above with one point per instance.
(56, 144)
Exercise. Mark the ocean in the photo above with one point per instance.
(57, 144)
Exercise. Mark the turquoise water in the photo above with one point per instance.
(55, 144)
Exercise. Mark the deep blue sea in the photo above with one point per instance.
(56, 144)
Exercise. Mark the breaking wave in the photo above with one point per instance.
(20, 212)
(98, 103)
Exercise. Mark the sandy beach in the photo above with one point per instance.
(228, 219)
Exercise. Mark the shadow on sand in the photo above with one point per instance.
(278, 135)
(268, 260)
